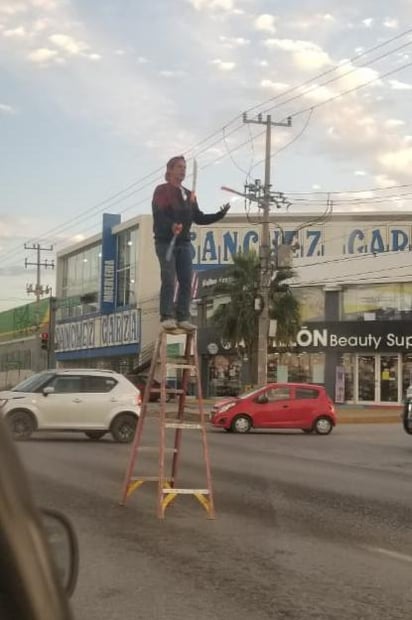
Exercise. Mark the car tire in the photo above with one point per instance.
(241, 424)
(95, 435)
(323, 425)
(123, 427)
(21, 424)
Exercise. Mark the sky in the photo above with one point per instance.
(95, 96)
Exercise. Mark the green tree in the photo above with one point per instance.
(237, 320)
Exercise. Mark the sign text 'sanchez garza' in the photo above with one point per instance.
(102, 331)
(217, 246)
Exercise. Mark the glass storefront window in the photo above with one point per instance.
(126, 267)
(406, 372)
(348, 362)
(312, 302)
(296, 367)
(80, 283)
(377, 302)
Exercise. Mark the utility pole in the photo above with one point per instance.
(38, 289)
(264, 249)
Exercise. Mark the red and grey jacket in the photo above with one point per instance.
(173, 205)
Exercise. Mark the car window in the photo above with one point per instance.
(67, 384)
(305, 393)
(33, 383)
(280, 393)
(98, 385)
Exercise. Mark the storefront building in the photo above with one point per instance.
(25, 345)
(354, 274)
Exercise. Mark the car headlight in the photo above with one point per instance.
(225, 408)
(3, 401)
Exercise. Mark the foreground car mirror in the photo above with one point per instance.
(64, 547)
(262, 399)
(48, 390)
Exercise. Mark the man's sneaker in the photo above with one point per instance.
(168, 324)
(187, 326)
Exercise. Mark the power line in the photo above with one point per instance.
(81, 216)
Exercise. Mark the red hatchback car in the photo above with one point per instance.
(277, 405)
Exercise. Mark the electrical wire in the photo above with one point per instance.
(205, 140)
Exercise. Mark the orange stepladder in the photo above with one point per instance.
(167, 489)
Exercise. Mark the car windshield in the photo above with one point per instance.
(251, 393)
(33, 383)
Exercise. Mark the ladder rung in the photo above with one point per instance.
(155, 449)
(149, 479)
(168, 391)
(183, 425)
(185, 491)
(180, 365)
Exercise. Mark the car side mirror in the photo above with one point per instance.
(48, 390)
(262, 399)
(64, 547)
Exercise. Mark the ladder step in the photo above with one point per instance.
(185, 491)
(180, 365)
(156, 449)
(183, 425)
(149, 479)
(168, 391)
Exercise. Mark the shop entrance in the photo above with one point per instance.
(379, 379)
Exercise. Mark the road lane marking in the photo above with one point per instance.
(395, 555)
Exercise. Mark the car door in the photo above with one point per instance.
(61, 408)
(98, 399)
(272, 407)
(306, 405)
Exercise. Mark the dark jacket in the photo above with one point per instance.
(173, 205)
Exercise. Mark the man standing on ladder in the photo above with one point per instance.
(174, 209)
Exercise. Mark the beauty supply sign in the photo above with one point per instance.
(356, 336)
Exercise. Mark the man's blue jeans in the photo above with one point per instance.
(180, 267)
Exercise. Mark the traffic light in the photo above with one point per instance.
(44, 339)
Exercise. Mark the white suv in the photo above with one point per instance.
(92, 401)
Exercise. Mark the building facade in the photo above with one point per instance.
(24, 342)
(354, 282)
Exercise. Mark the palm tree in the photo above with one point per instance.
(237, 320)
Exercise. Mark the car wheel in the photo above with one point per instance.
(323, 426)
(21, 424)
(124, 427)
(241, 424)
(95, 435)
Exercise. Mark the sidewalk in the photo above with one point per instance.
(346, 414)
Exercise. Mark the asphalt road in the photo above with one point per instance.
(307, 527)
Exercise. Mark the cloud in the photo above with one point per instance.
(360, 173)
(212, 5)
(265, 23)
(397, 161)
(69, 44)
(397, 85)
(391, 23)
(382, 180)
(19, 32)
(6, 109)
(277, 86)
(141, 60)
(394, 122)
(42, 55)
(223, 65)
(47, 5)
(232, 42)
(168, 73)
(368, 22)
(306, 54)
(13, 7)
